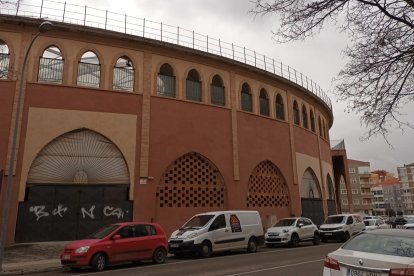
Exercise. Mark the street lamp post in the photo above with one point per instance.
(6, 194)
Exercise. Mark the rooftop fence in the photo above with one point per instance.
(92, 17)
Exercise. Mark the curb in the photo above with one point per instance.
(31, 271)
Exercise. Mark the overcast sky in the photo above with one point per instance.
(320, 58)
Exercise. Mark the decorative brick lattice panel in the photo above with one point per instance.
(267, 187)
(191, 181)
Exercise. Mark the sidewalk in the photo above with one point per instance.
(32, 258)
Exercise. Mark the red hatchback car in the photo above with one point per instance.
(117, 243)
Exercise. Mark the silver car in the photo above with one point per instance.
(381, 252)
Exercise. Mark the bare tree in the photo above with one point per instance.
(378, 77)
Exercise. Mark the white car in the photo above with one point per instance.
(371, 224)
(292, 231)
(381, 252)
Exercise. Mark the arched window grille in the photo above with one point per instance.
(246, 98)
(310, 185)
(4, 60)
(124, 73)
(305, 117)
(193, 86)
(320, 126)
(280, 109)
(217, 91)
(51, 66)
(166, 81)
(296, 118)
(312, 121)
(89, 70)
(264, 103)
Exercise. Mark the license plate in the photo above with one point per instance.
(65, 257)
(355, 272)
(174, 245)
(328, 234)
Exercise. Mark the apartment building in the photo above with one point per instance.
(406, 176)
(362, 198)
(387, 197)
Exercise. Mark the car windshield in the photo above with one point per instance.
(198, 221)
(369, 222)
(334, 220)
(285, 222)
(103, 232)
(382, 244)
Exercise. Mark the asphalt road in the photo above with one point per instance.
(303, 260)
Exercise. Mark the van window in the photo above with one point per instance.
(218, 223)
(335, 220)
(198, 221)
(350, 220)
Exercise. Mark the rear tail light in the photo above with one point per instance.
(332, 263)
(401, 272)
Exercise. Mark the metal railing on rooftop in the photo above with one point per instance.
(92, 17)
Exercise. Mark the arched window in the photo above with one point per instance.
(296, 118)
(217, 91)
(193, 86)
(264, 103)
(305, 117)
(89, 70)
(246, 98)
(324, 129)
(280, 109)
(4, 60)
(320, 126)
(124, 73)
(331, 191)
(310, 185)
(51, 66)
(312, 121)
(166, 81)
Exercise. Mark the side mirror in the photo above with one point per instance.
(116, 237)
(300, 225)
(213, 226)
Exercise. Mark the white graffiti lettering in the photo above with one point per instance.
(58, 211)
(39, 211)
(89, 214)
(111, 211)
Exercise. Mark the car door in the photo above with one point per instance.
(309, 228)
(121, 248)
(143, 241)
(220, 234)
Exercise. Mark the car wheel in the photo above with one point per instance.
(98, 262)
(294, 240)
(159, 255)
(205, 250)
(252, 245)
(316, 239)
(347, 236)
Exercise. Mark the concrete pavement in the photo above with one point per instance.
(28, 258)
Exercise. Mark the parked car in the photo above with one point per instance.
(371, 224)
(399, 222)
(374, 217)
(218, 231)
(292, 231)
(377, 253)
(117, 243)
(341, 227)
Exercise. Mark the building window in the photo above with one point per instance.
(364, 202)
(217, 91)
(4, 60)
(166, 81)
(352, 170)
(51, 66)
(264, 103)
(312, 121)
(320, 126)
(89, 70)
(193, 86)
(354, 191)
(296, 117)
(124, 72)
(280, 111)
(355, 201)
(344, 201)
(246, 98)
(305, 117)
(353, 181)
(344, 191)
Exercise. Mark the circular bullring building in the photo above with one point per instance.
(116, 125)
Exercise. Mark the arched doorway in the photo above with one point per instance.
(76, 184)
(330, 196)
(311, 197)
(191, 184)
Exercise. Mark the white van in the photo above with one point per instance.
(341, 227)
(211, 232)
